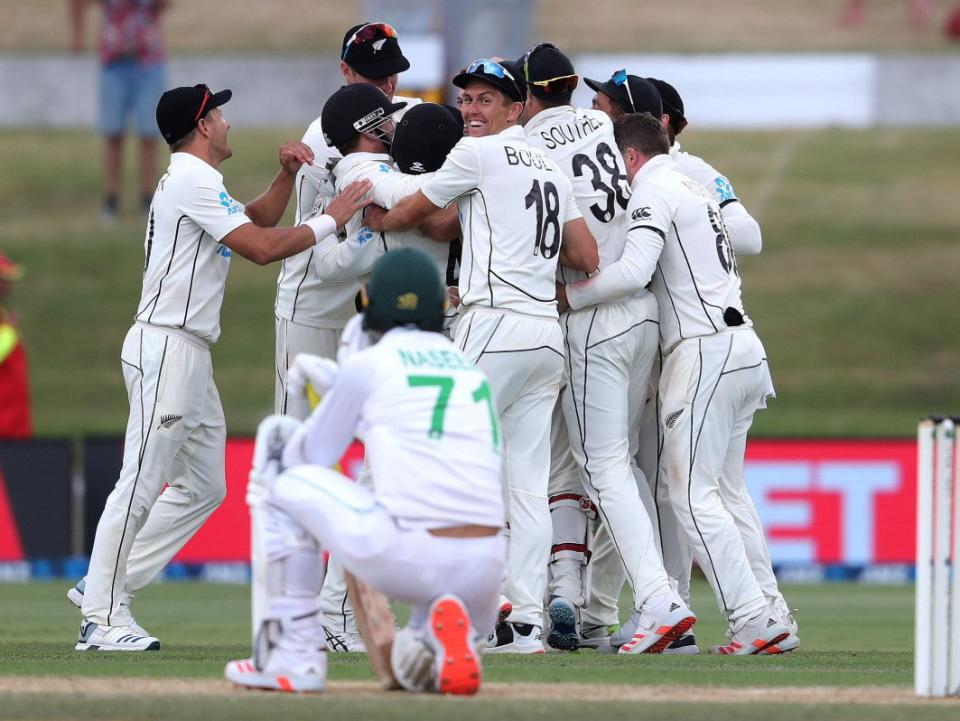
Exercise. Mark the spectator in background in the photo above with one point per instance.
(855, 13)
(14, 388)
(133, 75)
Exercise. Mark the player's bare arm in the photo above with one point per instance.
(266, 245)
(405, 215)
(579, 247)
(442, 226)
(267, 209)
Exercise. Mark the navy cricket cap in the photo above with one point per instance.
(372, 49)
(672, 104)
(354, 109)
(492, 73)
(423, 138)
(641, 97)
(547, 71)
(180, 109)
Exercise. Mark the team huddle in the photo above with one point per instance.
(531, 315)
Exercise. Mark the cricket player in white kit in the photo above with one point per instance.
(618, 96)
(610, 349)
(429, 534)
(358, 120)
(176, 432)
(714, 376)
(518, 219)
(310, 312)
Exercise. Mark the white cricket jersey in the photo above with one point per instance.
(428, 421)
(513, 202)
(185, 269)
(696, 278)
(302, 297)
(744, 231)
(581, 142)
(362, 247)
(700, 170)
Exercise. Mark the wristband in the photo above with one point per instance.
(322, 226)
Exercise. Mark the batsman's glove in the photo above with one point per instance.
(311, 372)
(353, 339)
(272, 435)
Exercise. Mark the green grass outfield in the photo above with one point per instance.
(853, 637)
(854, 295)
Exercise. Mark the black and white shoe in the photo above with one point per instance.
(509, 637)
(94, 637)
(686, 645)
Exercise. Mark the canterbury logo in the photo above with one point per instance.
(673, 417)
(168, 421)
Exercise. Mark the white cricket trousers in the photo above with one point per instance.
(710, 387)
(522, 356)
(610, 350)
(293, 338)
(176, 435)
(406, 564)
(608, 576)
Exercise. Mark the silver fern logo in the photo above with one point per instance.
(168, 421)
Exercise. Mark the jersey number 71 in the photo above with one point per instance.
(445, 383)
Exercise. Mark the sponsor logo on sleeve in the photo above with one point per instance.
(641, 213)
(232, 206)
(723, 188)
(364, 235)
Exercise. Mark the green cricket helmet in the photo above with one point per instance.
(404, 289)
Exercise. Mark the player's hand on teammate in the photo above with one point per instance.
(313, 370)
(453, 296)
(373, 217)
(349, 201)
(293, 155)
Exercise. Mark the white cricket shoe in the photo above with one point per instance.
(285, 671)
(75, 596)
(790, 643)
(662, 620)
(510, 637)
(345, 641)
(598, 637)
(756, 636)
(94, 637)
(456, 661)
(564, 632)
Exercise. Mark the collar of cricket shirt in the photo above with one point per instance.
(651, 167)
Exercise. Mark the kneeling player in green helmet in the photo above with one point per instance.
(430, 533)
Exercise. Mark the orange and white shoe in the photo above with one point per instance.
(662, 620)
(282, 673)
(456, 661)
(790, 643)
(756, 637)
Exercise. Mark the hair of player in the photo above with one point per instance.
(179, 145)
(671, 130)
(349, 146)
(643, 133)
(550, 100)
